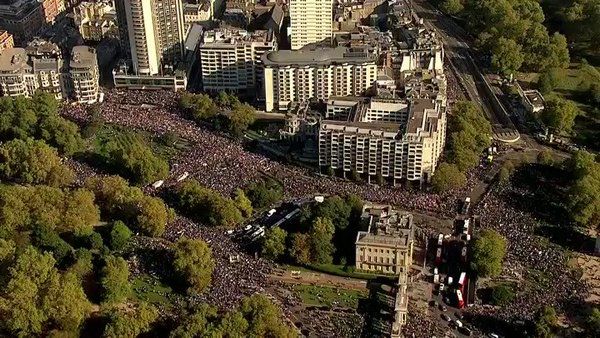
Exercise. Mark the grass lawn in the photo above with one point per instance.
(152, 291)
(328, 296)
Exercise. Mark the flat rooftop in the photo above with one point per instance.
(83, 57)
(535, 98)
(318, 56)
(387, 227)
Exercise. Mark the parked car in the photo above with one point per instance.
(442, 307)
(446, 317)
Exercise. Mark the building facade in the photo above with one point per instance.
(51, 9)
(22, 18)
(83, 85)
(293, 77)
(230, 59)
(387, 245)
(382, 139)
(152, 32)
(6, 40)
(40, 67)
(311, 21)
(95, 20)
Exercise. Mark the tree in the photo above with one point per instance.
(452, 7)
(300, 248)
(321, 240)
(193, 261)
(201, 323)
(115, 280)
(273, 245)
(201, 106)
(559, 114)
(131, 323)
(242, 116)
(68, 302)
(592, 323)
(62, 134)
(548, 81)
(207, 205)
(152, 216)
(119, 235)
(488, 253)
(336, 210)
(502, 295)
(506, 56)
(447, 177)
(48, 240)
(544, 157)
(557, 52)
(80, 212)
(233, 324)
(83, 265)
(264, 193)
(33, 162)
(243, 203)
(545, 321)
(264, 318)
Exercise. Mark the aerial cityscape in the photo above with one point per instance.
(300, 168)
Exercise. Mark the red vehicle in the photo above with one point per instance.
(460, 303)
(438, 256)
(462, 280)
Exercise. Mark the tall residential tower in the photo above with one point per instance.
(310, 21)
(152, 33)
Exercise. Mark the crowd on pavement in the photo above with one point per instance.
(222, 163)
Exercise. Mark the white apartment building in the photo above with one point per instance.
(84, 75)
(310, 21)
(23, 71)
(293, 77)
(95, 20)
(383, 139)
(230, 59)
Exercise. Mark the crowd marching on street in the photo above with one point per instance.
(221, 163)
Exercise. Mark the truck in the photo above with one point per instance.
(466, 206)
(440, 239)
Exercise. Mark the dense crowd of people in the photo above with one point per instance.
(222, 163)
(541, 264)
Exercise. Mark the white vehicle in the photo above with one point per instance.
(248, 227)
(183, 176)
(157, 184)
(450, 280)
(440, 239)
(458, 323)
(441, 286)
(271, 212)
(319, 199)
(229, 232)
(436, 278)
(493, 335)
(435, 271)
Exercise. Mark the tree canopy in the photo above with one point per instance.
(242, 116)
(200, 106)
(559, 114)
(193, 261)
(264, 193)
(488, 250)
(33, 162)
(206, 205)
(115, 280)
(273, 245)
(447, 177)
(584, 193)
(130, 322)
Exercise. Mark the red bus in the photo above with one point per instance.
(438, 256)
(460, 303)
(462, 280)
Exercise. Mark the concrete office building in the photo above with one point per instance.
(22, 18)
(230, 59)
(83, 85)
(95, 20)
(310, 21)
(293, 77)
(383, 139)
(40, 67)
(152, 37)
(387, 244)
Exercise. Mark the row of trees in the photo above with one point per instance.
(324, 233)
(584, 193)
(513, 33)
(38, 118)
(470, 133)
(202, 108)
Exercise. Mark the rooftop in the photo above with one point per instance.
(231, 36)
(387, 227)
(318, 56)
(83, 57)
(13, 59)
